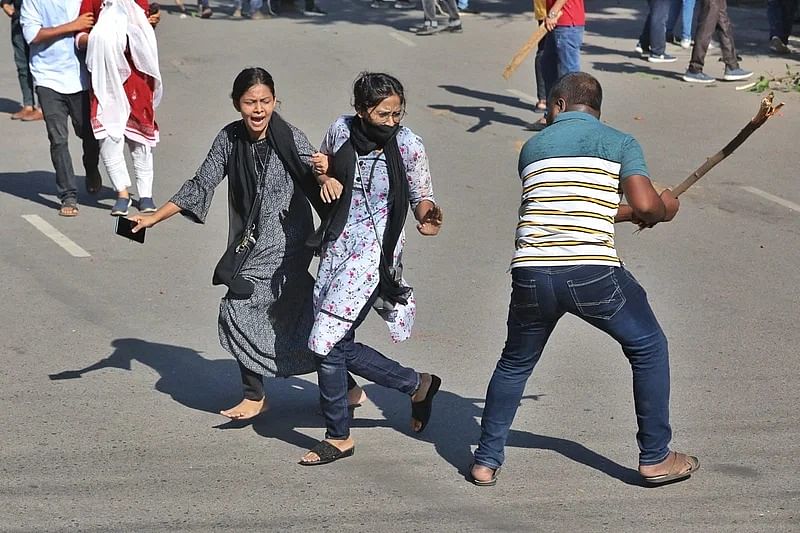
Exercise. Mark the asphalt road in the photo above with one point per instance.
(129, 438)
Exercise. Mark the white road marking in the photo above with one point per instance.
(777, 199)
(523, 96)
(56, 236)
(403, 39)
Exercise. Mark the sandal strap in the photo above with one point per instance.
(326, 451)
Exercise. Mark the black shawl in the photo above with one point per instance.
(242, 194)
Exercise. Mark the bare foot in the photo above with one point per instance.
(425, 381)
(356, 397)
(343, 445)
(246, 409)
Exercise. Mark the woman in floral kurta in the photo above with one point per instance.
(348, 269)
(348, 282)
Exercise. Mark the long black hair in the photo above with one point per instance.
(371, 88)
(248, 78)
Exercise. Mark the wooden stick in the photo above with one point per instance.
(529, 45)
(764, 112)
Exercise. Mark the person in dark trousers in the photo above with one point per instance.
(714, 17)
(29, 111)
(566, 262)
(652, 43)
(780, 14)
(62, 85)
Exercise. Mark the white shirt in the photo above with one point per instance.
(54, 64)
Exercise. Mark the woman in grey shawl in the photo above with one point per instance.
(265, 325)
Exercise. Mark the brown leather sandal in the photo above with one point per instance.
(681, 466)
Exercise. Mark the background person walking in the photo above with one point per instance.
(29, 111)
(62, 84)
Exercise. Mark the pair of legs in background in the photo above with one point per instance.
(713, 18)
(58, 110)
(29, 112)
(112, 150)
(559, 54)
(610, 299)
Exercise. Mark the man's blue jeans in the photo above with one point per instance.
(562, 54)
(608, 298)
(363, 361)
(654, 33)
(684, 8)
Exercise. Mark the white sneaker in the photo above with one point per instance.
(686, 43)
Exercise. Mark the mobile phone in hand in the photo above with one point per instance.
(124, 227)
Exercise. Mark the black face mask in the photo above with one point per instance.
(367, 137)
(379, 134)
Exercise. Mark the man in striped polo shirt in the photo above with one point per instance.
(573, 174)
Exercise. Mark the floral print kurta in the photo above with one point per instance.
(348, 267)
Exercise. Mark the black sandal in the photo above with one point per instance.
(421, 411)
(327, 453)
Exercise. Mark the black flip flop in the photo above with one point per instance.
(489, 483)
(327, 453)
(421, 411)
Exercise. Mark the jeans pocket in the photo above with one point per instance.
(524, 307)
(598, 296)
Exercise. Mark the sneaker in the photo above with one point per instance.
(697, 77)
(257, 15)
(686, 43)
(147, 205)
(314, 12)
(468, 11)
(237, 13)
(121, 207)
(430, 29)
(736, 74)
(777, 46)
(404, 4)
(661, 58)
(380, 4)
(643, 51)
(455, 27)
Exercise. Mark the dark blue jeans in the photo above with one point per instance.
(21, 52)
(780, 14)
(608, 298)
(363, 361)
(562, 54)
(654, 33)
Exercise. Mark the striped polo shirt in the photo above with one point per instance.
(571, 174)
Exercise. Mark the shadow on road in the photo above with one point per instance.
(33, 184)
(9, 106)
(212, 385)
(455, 427)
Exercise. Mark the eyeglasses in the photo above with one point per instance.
(383, 115)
